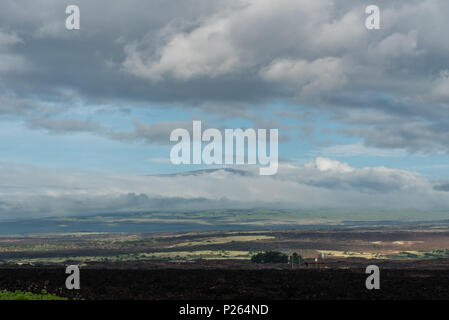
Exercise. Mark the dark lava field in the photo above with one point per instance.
(222, 284)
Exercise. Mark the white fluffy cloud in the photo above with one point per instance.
(204, 51)
(251, 34)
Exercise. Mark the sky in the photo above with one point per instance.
(86, 115)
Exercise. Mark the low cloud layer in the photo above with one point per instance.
(324, 183)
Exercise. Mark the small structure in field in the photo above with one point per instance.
(317, 262)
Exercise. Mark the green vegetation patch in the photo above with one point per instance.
(422, 254)
(270, 257)
(20, 295)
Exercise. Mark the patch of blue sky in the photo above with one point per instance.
(91, 151)
(81, 151)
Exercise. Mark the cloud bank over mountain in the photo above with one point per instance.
(324, 183)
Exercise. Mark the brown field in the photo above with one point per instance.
(414, 264)
(370, 243)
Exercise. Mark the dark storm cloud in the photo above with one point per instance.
(89, 62)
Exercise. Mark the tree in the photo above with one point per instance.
(296, 259)
(270, 257)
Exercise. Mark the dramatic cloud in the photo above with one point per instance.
(184, 56)
(309, 68)
(227, 55)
